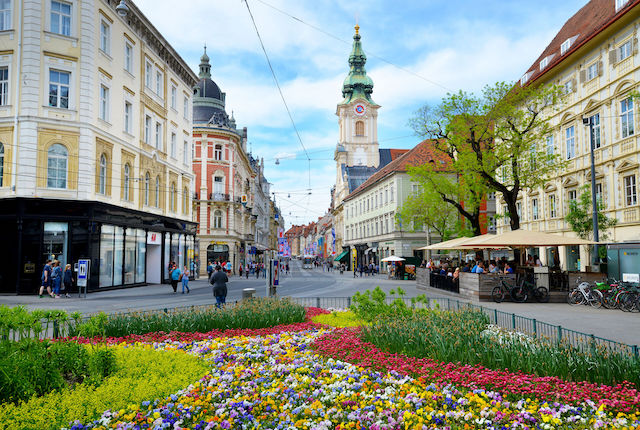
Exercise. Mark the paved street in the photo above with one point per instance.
(610, 324)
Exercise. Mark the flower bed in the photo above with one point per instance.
(277, 381)
(346, 344)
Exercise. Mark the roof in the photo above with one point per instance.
(388, 155)
(357, 175)
(588, 22)
(422, 153)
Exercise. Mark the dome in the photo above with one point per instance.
(210, 115)
(209, 89)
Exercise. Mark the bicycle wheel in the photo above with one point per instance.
(596, 299)
(497, 294)
(575, 297)
(519, 294)
(541, 294)
(627, 301)
(609, 300)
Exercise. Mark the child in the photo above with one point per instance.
(185, 280)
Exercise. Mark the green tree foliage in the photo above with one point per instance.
(495, 139)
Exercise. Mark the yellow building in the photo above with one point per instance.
(594, 58)
(95, 126)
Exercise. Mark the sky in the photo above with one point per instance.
(417, 52)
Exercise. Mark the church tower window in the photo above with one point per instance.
(359, 128)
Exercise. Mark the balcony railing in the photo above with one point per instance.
(219, 197)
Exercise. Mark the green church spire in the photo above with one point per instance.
(357, 84)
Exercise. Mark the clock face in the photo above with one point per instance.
(359, 109)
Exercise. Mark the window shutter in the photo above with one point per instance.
(583, 76)
(574, 86)
(600, 69)
(635, 45)
(613, 56)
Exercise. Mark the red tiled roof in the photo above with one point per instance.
(588, 22)
(422, 153)
(395, 153)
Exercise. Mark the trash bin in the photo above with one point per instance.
(248, 293)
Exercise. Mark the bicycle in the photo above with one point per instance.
(499, 293)
(521, 292)
(584, 294)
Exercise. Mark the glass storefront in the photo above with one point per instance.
(106, 256)
(130, 256)
(573, 258)
(174, 248)
(56, 237)
(167, 254)
(181, 251)
(118, 255)
(141, 256)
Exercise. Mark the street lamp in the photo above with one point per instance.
(122, 9)
(589, 122)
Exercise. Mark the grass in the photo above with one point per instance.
(339, 319)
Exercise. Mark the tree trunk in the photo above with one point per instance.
(514, 218)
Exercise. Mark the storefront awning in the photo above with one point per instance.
(341, 256)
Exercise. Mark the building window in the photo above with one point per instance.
(147, 178)
(626, 116)
(147, 130)
(159, 84)
(565, 46)
(174, 92)
(570, 139)
(4, 86)
(544, 63)
(567, 87)
(102, 177)
(624, 51)
(185, 201)
(620, 4)
(386, 196)
(630, 190)
(599, 196)
(157, 191)
(1, 164)
(534, 209)
(59, 89)
(217, 219)
(186, 107)
(105, 37)
(218, 185)
(61, 18)
(173, 197)
(158, 135)
(552, 206)
(57, 166)
(5, 15)
(217, 154)
(148, 75)
(128, 57)
(185, 152)
(519, 209)
(359, 128)
(104, 103)
(595, 120)
(592, 71)
(391, 197)
(572, 195)
(126, 184)
(173, 145)
(128, 119)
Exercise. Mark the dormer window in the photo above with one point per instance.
(620, 4)
(566, 45)
(544, 63)
(525, 78)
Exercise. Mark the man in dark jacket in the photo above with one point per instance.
(219, 281)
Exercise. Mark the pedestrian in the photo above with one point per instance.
(246, 271)
(355, 270)
(175, 277)
(240, 270)
(219, 281)
(45, 279)
(56, 278)
(67, 280)
(184, 277)
(229, 267)
(257, 271)
(209, 269)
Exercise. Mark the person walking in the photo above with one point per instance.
(219, 281)
(257, 271)
(45, 279)
(240, 270)
(246, 271)
(209, 269)
(67, 280)
(185, 279)
(175, 277)
(56, 278)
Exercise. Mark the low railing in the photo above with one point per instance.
(219, 197)
(530, 326)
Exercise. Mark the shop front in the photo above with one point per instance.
(125, 246)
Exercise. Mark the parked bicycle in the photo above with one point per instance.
(619, 295)
(519, 293)
(585, 294)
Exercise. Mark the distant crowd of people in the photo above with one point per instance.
(447, 268)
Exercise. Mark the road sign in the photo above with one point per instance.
(83, 275)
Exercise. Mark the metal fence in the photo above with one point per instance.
(543, 331)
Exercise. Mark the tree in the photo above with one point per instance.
(495, 139)
(426, 208)
(580, 217)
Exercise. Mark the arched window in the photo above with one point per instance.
(218, 152)
(1, 163)
(102, 175)
(359, 128)
(57, 166)
(172, 204)
(126, 182)
(157, 191)
(185, 201)
(217, 219)
(147, 178)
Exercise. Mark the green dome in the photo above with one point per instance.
(357, 84)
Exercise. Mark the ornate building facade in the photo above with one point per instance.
(90, 96)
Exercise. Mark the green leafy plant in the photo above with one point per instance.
(371, 305)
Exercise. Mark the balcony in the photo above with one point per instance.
(219, 197)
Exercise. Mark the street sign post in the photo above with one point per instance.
(83, 276)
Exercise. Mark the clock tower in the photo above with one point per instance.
(358, 123)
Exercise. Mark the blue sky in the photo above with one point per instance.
(417, 51)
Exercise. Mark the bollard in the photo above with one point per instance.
(317, 302)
